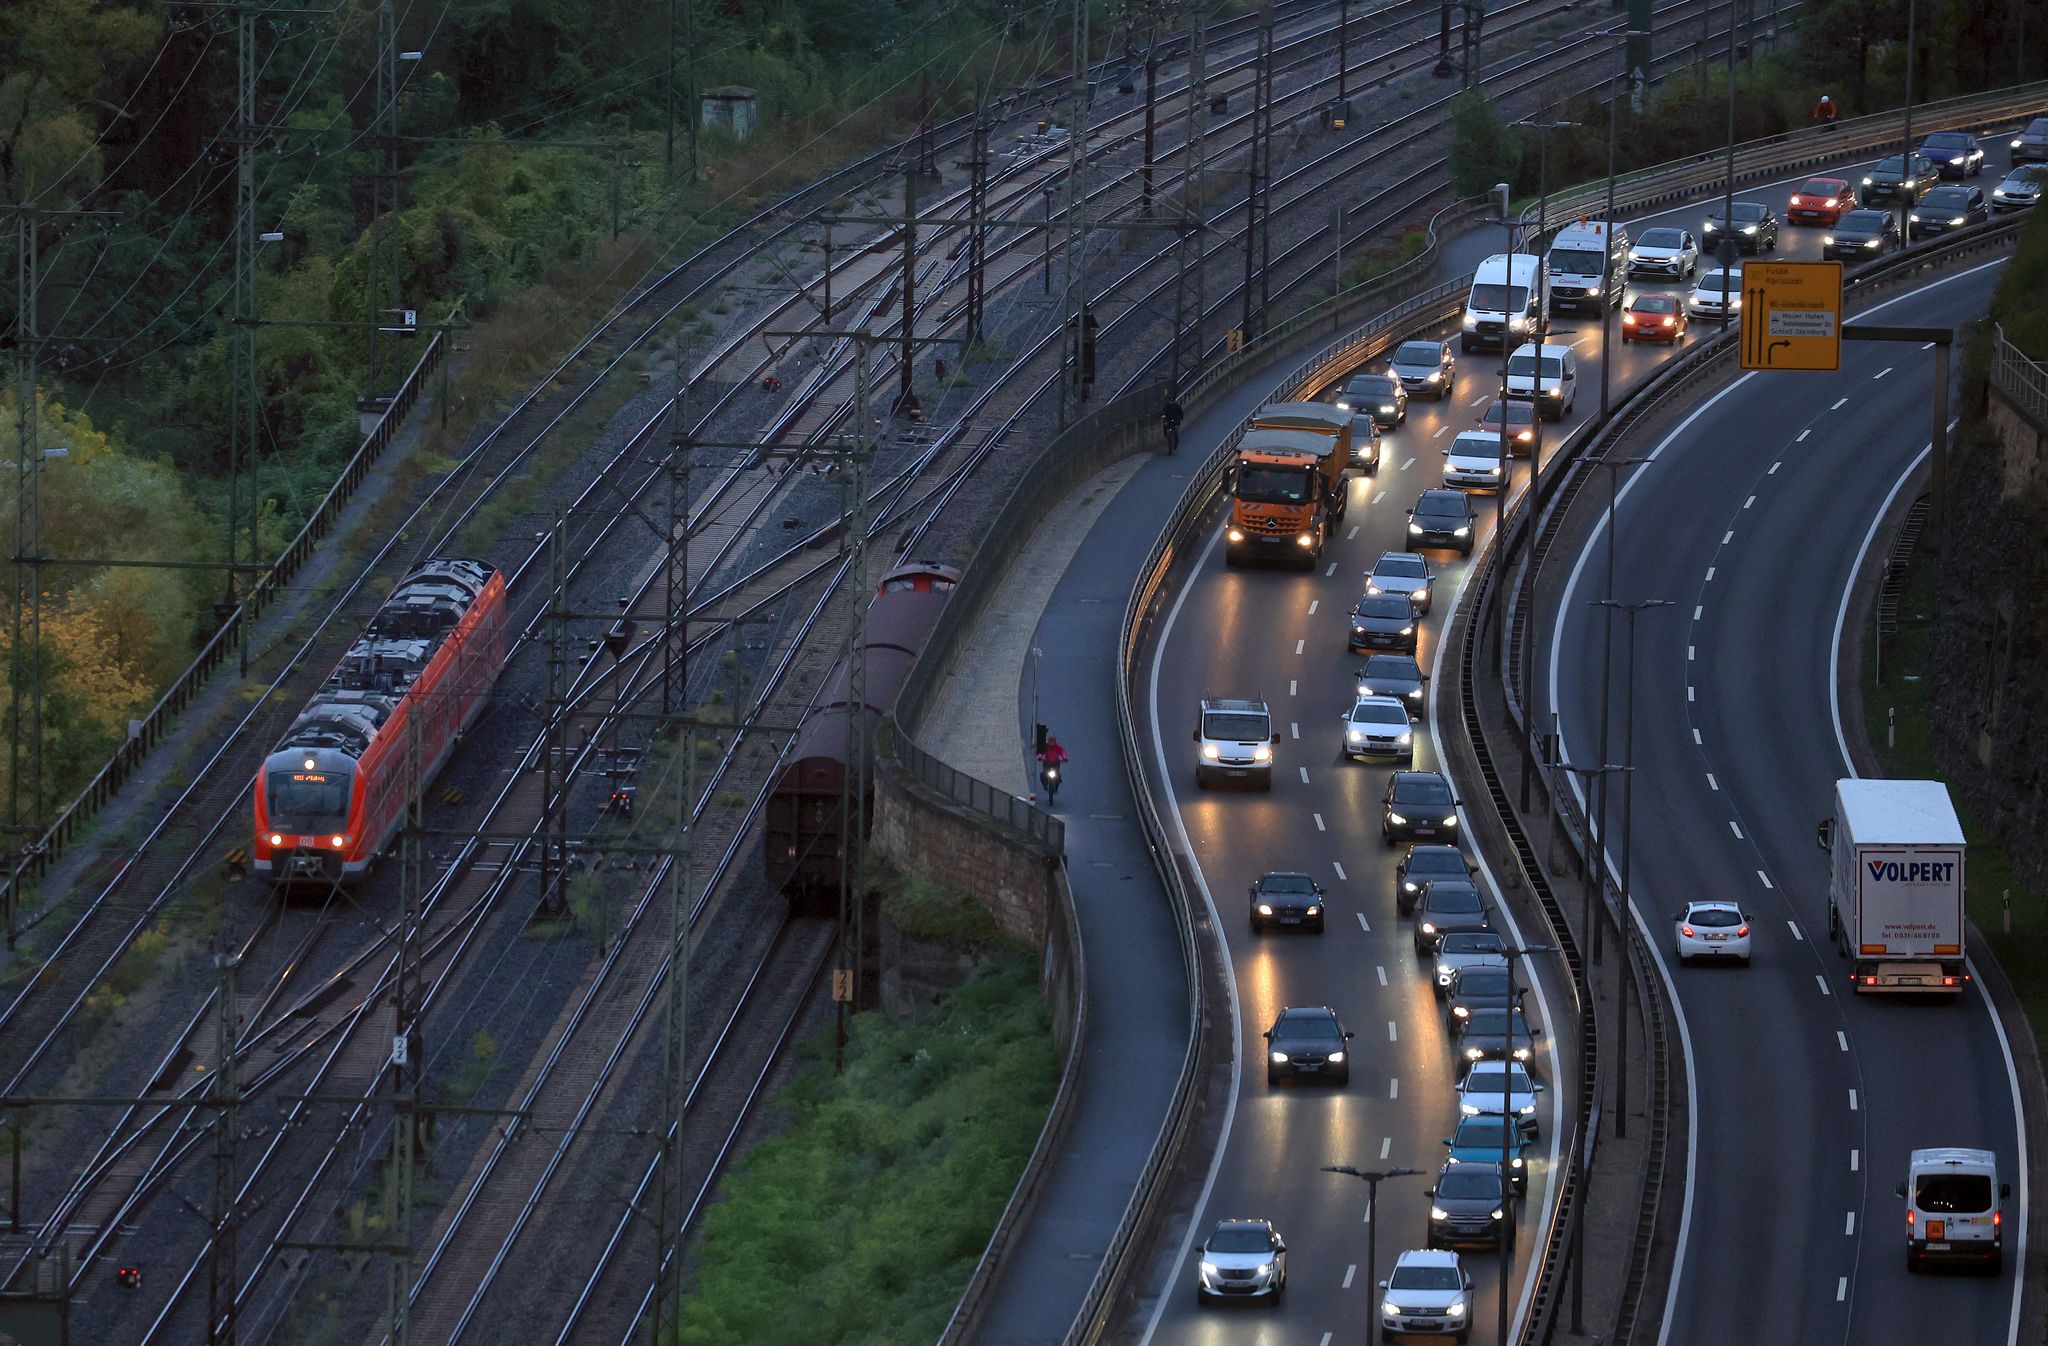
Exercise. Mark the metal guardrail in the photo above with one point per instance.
(2022, 382)
(151, 729)
(978, 795)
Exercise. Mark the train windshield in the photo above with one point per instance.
(308, 801)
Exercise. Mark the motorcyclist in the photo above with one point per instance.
(1051, 758)
(1170, 417)
(1824, 112)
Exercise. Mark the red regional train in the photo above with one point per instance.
(802, 824)
(334, 790)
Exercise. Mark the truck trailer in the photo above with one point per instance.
(1895, 891)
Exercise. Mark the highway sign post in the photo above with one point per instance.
(1792, 315)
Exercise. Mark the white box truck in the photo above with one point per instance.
(1895, 896)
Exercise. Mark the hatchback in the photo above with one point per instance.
(1711, 930)
(1653, 317)
(1418, 804)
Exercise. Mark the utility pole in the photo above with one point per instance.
(387, 252)
(853, 782)
(226, 1091)
(671, 1199)
(242, 376)
(553, 845)
(904, 396)
(1151, 92)
(407, 1046)
(1188, 297)
(977, 229)
(1260, 164)
(1073, 391)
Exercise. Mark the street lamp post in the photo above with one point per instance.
(1510, 1129)
(1595, 874)
(1628, 793)
(1372, 1182)
(1627, 35)
(1613, 467)
(1906, 145)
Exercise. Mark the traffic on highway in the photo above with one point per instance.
(1405, 1013)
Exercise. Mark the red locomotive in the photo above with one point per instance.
(802, 824)
(334, 791)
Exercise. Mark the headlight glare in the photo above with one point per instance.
(1262, 753)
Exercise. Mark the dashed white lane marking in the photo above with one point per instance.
(1797, 934)
(1410, 463)
(1441, 431)
(1362, 923)
(1330, 570)
(1849, 1228)
(1839, 404)
(1855, 1160)
(1822, 982)
(1766, 880)
(1698, 611)
(1338, 865)
(1294, 728)
(1691, 653)
(1383, 975)
(1841, 1289)
(1386, 1146)
(1712, 784)
(1774, 468)
(1394, 1087)
(1928, 347)
(1749, 502)
(1353, 533)
(1326, 1339)
(1315, 603)
(1378, 496)
(1731, 822)
(1481, 399)
(1392, 1034)
(1802, 436)
(1727, 537)
(1842, 1039)
(1304, 775)
(1692, 693)
(1293, 687)
(1319, 823)
(1852, 1100)
(1695, 736)
(1300, 645)
(1880, 373)
(1350, 1272)
(1710, 574)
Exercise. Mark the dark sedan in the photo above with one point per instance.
(1440, 519)
(1483, 1035)
(1448, 907)
(1755, 228)
(1467, 1205)
(1954, 154)
(1861, 235)
(1379, 396)
(1894, 179)
(1482, 986)
(1383, 621)
(1395, 675)
(1422, 866)
(1418, 804)
(1307, 1042)
(1286, 899)
(1947, 208)
(2031, 145)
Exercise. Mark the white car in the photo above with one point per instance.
(1428, 1292)
(1481, 1093)
(1664, 253)
(1242, 1259)
(1712, 930)
(1705, 301)
(1473, 462)
(1377, 726)
(1402, 572)
(2020, 190)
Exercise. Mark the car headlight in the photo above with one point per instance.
(1456, 1310)
(1866, 182)
(1827, 240)
(1390, 1307)
(1357, 630)
(1314, 911)
(1355, 735)
(1913, 217)
(1527, 1109)
(1265, 909)
(1435, 376)
(1831, 203)
(1372, 588)
(1957, 220)
(1342, 405)
(1405, 738)
(1748, 228)
(1451, 821)
(1279, 1058)
(1236, 535)
(1471, 321)
(1396, 819)
(1414, 527)
(1211, 751)
(1735, 300)
(1558, 391)
(1439, 1213)
(2015, 144)
(1428, 928)
(1468, 1109)
(1265, 1269)
(1462, 532)
(1516, 1162)
(1955, 162)
(1262, 753)
(1305, 540)
(1335, 1058)
(1909, 184)
(1500, 1215)
(1473, 1054)
(1872, 242)
(1521, 1053)
(1386, 408)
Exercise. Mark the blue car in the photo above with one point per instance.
(1477, 1141)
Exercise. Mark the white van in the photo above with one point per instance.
(1588, 266)
(1507, 291)
(1546, 375)
(1952, 1213)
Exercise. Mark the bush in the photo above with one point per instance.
(1482, 150)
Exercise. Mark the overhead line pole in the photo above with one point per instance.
(1073, 393)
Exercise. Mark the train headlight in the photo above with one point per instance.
(276, 839)
(339, 841)
(310, 764)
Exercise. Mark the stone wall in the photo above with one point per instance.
(930, 837)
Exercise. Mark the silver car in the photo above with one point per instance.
(1377, 726)
(2020, 190)
(1425, 368)
(1706, 299)
(1242, 1259)
(1401, 572)
(1667, 254)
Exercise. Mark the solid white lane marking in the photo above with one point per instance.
(1379, 496)
(1352, 1270)
(1339, 866)
(1855, 1160)
(1294, 728)
(1315, 603)
(1386, 1146)
(1731, 825)
(1304, 775)
(1710, 574)
(1712, 784)
(1880, 373)
(1852, 1100)
(1394, 1087)
(1841, 1289)
(1747, 503)
(1410, 463)
(1299, 645)
(1353, 533)
(1441, 431)
(1383, 975)
(1362, 923)
(1766, 879)
(1822, 982)
(1843, 402)
(1392, 1034)
(1850, 1227)
(1319, 823)
(1802, 436)
(1842, 1039)
(1727, 537)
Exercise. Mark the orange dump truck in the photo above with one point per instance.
(1287, 485)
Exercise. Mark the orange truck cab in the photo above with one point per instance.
(1287, 485)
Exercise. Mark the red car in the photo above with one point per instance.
(1521, 419)
(1653, 317)
(1821, 201)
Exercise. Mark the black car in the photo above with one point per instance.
(1468, 1205)
(1422, 866)
(1383, 621)
(1395, 675)
(1441, 519)
(1307, 1042)
(1954, 154)
(1894, 180)
(1483, 1035)
(1380, 396)
(1286, 899)
(1861, 235)
(1756, 228)
(1448, 907)
(1425, 368)
(1365, 443)
(1484, 986)
(1947, 208)
(2031, 145)
(1418, 804)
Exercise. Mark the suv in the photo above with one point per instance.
(1428, 1292)
(1307, 1042)
(1242, 1259)
(1467, 1205)
(1418, 804)
(1236, 741)
(1441, 518)
(1286, 899)
(1756, 228)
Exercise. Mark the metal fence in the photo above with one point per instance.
(2021, 381)
(979, 795)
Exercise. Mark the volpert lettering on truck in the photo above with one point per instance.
(1913, 871)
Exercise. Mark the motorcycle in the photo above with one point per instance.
(1049, 780)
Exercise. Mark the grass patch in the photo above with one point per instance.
(926, 911)
(132, 972)
(1896, 721)
(863, 1221)
(470, 1076)
(1382, 255)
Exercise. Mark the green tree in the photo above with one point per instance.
(55, 56)
(1482, 151)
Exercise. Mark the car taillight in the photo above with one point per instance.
(1868, 981)
(1685, 930)
(1948, 981)
(1909, 1217)
(1741, 930)
(1998, 1219)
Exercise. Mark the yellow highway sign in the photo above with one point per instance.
(1792, 315)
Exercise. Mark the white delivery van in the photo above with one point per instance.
(1546, 375)
(1235, 741)
(1501, 308)
(1587, 266)
(1952, 1213)
(1895, 892)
